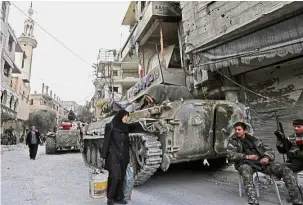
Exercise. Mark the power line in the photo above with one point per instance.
(78, 56)
(56, 39)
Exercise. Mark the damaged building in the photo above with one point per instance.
(153, 44)
(250, 52)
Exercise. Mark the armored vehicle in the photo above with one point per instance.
(175, 129)
(63, 139)
(168, 125)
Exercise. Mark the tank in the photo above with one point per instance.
(175, 129)
(63, 139)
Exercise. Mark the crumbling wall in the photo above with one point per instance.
(284, 87)
(206, 21)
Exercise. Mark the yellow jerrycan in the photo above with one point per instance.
(98, 183)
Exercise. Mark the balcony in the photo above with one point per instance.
(13, 43)
(9, 103)
(7, 113)
(11, 63)
(155, 13)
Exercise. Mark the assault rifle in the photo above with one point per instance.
(281, 137)
(254, 163)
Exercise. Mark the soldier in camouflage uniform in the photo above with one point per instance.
(295, 151)
(250, 155)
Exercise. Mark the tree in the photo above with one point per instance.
(101, 103)
(43, 120)
(71, 116)
(84, 113)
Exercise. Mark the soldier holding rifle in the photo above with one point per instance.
(250, 155)
(292, 146)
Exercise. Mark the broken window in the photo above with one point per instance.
(6, 70)
(31, 102)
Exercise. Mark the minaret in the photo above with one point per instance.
(28, 43)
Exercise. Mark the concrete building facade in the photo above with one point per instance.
(9, 46)
(112, 80)
(70, 105)
(153, 46)
(247, 52)
(46, 100)
(250, 52)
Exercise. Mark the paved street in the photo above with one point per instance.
(63, 179)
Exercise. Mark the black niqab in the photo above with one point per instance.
(117, 121)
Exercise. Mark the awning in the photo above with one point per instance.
(278, 40)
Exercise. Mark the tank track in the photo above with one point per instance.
(84, 156)
(152, 159)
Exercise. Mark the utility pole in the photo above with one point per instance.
(106, 57)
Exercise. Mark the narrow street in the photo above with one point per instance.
(63, 179)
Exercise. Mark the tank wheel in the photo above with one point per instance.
(218, 164)
(145, 156)
(88, 155)
(50, 145)
(94, 155)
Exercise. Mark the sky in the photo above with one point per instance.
(84, 27)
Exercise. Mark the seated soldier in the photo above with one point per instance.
(249, 155)
(295, 149)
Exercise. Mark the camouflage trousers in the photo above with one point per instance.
(276, 169)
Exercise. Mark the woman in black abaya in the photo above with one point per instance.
(116, 155)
